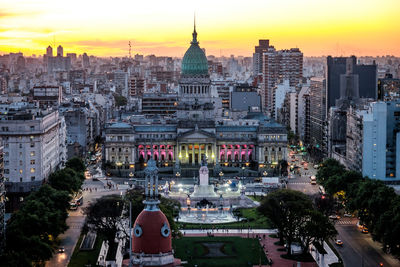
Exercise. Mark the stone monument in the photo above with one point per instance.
(203, 190)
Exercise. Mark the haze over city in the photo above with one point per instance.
(104, 28)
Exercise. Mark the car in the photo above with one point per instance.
(364, 230)
(334, 217)
(305, 168)
(316, 166)
(61, 250)
(348, 215)
(339, 242)
(313, 182)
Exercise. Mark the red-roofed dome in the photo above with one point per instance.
(151, 233)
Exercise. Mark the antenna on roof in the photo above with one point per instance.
(130, 48)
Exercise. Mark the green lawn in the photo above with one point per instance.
(252, 217)
(81, 258)
(238, 251)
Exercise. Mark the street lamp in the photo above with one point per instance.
(177, 174)
(131, 174)
(243, 168)
(220, 175)
(265, 173)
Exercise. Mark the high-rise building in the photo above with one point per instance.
(60, 51)
(279, 65)
(367, 78)
(49, 51)
(85, 61)
(262, 47)
(317, 94)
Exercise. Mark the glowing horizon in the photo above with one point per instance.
(163, 28)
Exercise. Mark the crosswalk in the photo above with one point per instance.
(348, 222)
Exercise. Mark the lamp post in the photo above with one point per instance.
(243, 168)
(220, 175)
(265, 173)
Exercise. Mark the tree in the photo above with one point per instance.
(286, 209)
(329, 168)
(66, 179)
(316, 228)
(120, 100)
(31, 231)
(283, 164)
(105, 216)
(76, 164)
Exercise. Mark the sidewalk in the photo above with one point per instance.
(324, 260)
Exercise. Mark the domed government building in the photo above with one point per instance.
(249, 146)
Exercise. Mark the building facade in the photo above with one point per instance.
(251, 144)
(34, 146)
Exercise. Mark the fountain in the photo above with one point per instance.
(206, 206)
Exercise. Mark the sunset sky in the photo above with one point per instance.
(103, 28)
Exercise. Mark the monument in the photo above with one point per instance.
(204, 189)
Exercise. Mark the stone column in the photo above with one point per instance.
(216, 149)
(247, 153)
(240, 153)
(145, 153)
(193, 154)
(226, 152)
(199, 152)
(159, 150)
(186, 153)
(206, 150)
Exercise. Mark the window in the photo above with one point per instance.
(20, 163)
(32, 128)
(20, 145)
(32, 162)
(20, 171)
(20, 179)
(32, 153)
(32, 144)
(33, 178)
(6, 171)
(6, 162)
(119, 149)
(119, 138)
(31, 137)
(32, 170)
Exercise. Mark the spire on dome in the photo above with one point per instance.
(151, 184)
(194, 34)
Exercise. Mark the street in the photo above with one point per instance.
(76, 220)
(359, 249)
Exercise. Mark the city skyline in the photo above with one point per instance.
(364, 28)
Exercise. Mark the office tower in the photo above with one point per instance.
(49, 51)
(317, 94)
(60, 51)
(262, 47)
(367, 79)
(85, 61)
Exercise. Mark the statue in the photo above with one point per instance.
(204, 161)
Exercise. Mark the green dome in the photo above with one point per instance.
(194, 61)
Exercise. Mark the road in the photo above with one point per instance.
(359, 249)
(76, 220)
(301, 181)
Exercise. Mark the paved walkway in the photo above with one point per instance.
(324, 260)
(267, 243)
